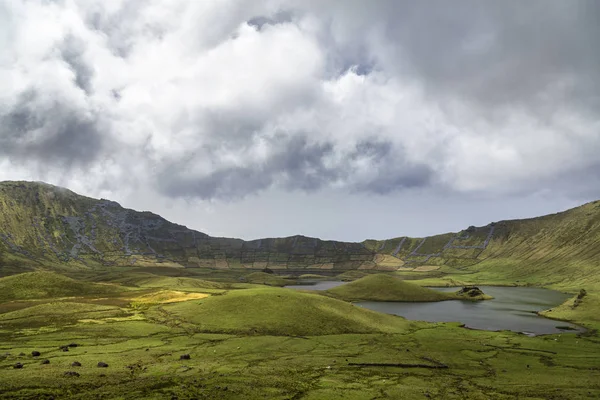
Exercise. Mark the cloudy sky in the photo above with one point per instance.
(339, 119)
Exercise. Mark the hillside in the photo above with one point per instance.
(561, 250)
(274, 311)
(43, 225)
(58, 314)
(39, 285)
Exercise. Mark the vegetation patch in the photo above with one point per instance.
(472, 293)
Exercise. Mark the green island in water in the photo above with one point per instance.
(101, 302)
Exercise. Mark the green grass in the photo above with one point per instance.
(273, 311)
(38, 285)
(282, 344)
(313, 276)
(351, 275)
(175, 283)
(144, 363)
(381, 287)
(59, 313)
(264, 278)
(584, 312)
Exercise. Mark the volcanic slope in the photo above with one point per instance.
(561, 250)
(43, 225)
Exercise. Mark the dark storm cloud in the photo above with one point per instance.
(51, 133)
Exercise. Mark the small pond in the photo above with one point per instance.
(513, 308)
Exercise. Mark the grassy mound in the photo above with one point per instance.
(313, 276)
(59, 313)
(381, 287)
(472, 293)
(275, 311)
(266, 279)
(351, 275)
(41, 285)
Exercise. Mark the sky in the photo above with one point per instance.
(337, 119)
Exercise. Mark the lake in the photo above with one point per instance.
(513, 308)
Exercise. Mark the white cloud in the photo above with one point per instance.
(194, 99)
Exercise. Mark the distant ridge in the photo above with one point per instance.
(47, 226)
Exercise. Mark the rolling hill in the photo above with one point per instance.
(40, 285)
(50, 227)
(381, 287)
(274, 311)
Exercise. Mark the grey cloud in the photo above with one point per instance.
(491, 53)
(393, 172)
(297, 164)
(394, 178)
(72, 51)
(119, 35)
(294, 161)
(504, 52)
(260, 22)
(58, 134)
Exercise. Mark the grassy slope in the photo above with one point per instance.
(274, 311)
(382, 287)
(585, 313)
(178, 283)
(143, 358)
(559, 250)
(37, 285)
(273, 353)
(59, 313)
